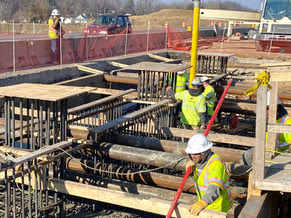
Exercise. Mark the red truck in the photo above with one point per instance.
(109, 24)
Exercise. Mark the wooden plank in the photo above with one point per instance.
(99, 102)
(116, 64)
(38, 153)
(158, 57)
(276, 64)
(276, 180)
(265, 206)
(158, 67)
(261, 122)
(271, 142)
(215, 137)
(279, 77)
(124, 199)
(89, 69)
(279, 128)
(42, 91)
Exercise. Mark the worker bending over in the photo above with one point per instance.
(210, 175)
(210, 96)
(283, 140)
(193, 105)
(182, 78)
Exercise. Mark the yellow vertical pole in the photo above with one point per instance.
(195, 31)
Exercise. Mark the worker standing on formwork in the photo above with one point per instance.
(283, 140)
(210, 175)
(55, 31)
(193, 105)
(210, 96)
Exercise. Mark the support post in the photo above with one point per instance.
(261, 123)
(195, 32)
(271, 143)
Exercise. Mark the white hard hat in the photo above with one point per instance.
(204, 79)
(198, 144)
(181, 72)
(196, 82)
(55, 12)
(268, 99)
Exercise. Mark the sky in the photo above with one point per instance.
(255, 4)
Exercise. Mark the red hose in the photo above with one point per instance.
(178, 193)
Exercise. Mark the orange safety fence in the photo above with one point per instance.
(37, 52)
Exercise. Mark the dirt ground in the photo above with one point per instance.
(246, 49)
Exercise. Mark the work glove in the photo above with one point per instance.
(197, 207)
(168, 88)
(190, 163)
(203, 126)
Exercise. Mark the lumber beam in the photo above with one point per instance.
(265, 206)
(215, 137)
(89, 69)
(117, 64)
(158, 57)
(129, 187)
(123, 199)
(121, 79)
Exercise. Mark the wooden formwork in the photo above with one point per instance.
(271, 173)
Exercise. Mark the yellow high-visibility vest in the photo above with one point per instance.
(181, 82)
(52, 30)
(283, 140)
(191, 107)
(210, 96)
(214, 173)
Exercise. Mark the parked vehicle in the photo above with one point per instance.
(109, 24)
(275, 27)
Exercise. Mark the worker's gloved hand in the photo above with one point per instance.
(203, 126)
(190, 163)
(197, 207)
(168, 88)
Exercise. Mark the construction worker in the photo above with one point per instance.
(193, 105)
(283, 140)
(210, 175)
(182, 78)
(210, 96)
(54, 34)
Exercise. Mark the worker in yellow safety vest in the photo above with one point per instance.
(193, 105)
(182, 79)
(55, 31)
(209, 94)
(210, 176)
(283, 140)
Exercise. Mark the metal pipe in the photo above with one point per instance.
(149, 178)
(195, 32)
(227, 154)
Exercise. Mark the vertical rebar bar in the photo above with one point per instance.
(6, 119)
(9, 122)
(21, 122)
(32, 125)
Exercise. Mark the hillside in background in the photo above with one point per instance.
(175, 18)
